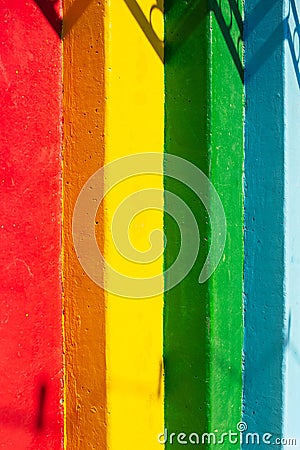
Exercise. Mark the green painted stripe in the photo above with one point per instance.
(204, 124)
(226, 314)
(186, 135)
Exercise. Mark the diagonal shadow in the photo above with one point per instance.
(187, 24)
(282, 32)
(183, 28)
(225, 29)
(62, 27)
(257, 15)
(73, 14)
(291, 37)
(189, 21)
(146, 25)
(48, 10)
(238, 17)
(265, 51)
(194, 15)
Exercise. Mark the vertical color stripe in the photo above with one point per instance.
(204, 124)
(30, 227)
(264, 221)
(226, 128)
(84, 308)
(292, 221)
(134, 124)
(186, 321)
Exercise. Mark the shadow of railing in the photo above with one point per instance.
(235, 47)
(281, 33)
(146, 25)
(185, 26)
(292, 36)
(191, 17)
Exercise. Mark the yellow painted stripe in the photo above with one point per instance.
(83, 154)
(134, 124)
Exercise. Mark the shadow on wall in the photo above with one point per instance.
(48, 8)
(33, 419)
(194, 15)
(51, 13)
(235, 48)
(291, 28)
(185, 26)
(146, 24)
(293, 37)
(191, 19)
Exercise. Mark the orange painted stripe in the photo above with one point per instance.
(83, 154)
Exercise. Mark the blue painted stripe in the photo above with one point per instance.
(264, 218)
(292, 213)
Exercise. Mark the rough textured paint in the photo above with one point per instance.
(134, 124)
(204, 124)
(226, 127)
(264, 221)
(186, 318)
(83, 153)
(30, 228)
(292, 220)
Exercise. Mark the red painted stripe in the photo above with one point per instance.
(30, 229)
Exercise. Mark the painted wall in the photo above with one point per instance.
(134, 124)
(194, 358)
(292, 219)
(83, 152)
(264, 270)
(272, 81)
(204, 124)
(30, 226)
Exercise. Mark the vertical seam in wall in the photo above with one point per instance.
(243, 214)
(63, 246)
(209, 147)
